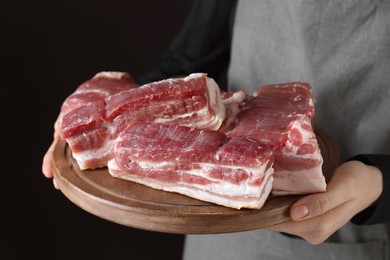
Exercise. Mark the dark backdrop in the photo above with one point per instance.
(47, 49)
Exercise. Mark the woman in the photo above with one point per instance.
(342, 49)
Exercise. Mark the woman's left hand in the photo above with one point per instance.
(354, 187)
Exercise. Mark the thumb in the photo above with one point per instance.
(317, 204)
(311, 206)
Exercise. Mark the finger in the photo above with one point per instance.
(47, 164)
(314, 205)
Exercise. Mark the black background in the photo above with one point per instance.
(47, 49)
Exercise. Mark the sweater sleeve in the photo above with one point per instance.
(380, 212)
(202, 44)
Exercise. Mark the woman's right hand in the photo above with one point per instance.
(47, 164)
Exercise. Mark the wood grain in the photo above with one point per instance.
(138, 206)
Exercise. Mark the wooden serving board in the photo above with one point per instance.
(138, 206)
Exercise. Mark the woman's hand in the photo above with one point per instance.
(47, 164)
(354, 187)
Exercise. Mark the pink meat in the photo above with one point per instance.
(202, 164)
(162, 91)
(184, 135)
(83, 121)
(91, 128)
(281, 115)
(194, 101)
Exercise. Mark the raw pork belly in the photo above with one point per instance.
(193, 101)
(281, 115)
(82, 119)
(202, 164)
(184, 135)
(91, 129)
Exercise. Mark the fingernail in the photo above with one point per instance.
(299, 212)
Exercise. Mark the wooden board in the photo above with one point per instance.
(138, 206)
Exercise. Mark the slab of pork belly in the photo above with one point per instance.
(281, 115)
(202, 164)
